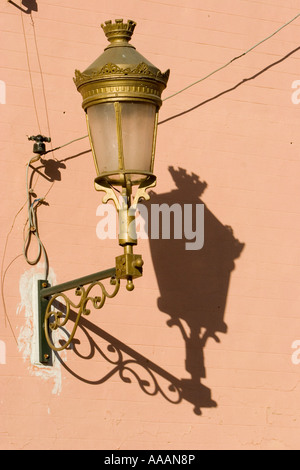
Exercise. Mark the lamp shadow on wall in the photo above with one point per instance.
(131, 366)
(193, 286)
(194, 283)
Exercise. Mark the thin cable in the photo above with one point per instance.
(6, 317)
(41, 74)
(32, 227)
(203, 78)
(3, 272)
(232, 60)
(30, 74)
(68, 143)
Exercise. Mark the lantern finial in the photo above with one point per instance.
(118, 31)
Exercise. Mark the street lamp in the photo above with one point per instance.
(121, 92)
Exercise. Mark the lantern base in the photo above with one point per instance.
(122, 177)
(106, 181)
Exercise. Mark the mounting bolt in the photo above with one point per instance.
(137, 263)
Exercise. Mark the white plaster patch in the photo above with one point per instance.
(28, 337)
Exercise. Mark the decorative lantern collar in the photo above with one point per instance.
(119, 65)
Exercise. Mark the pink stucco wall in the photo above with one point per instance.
(221, 323)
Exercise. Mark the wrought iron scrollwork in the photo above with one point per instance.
(171, 392)
(57, 319)
(152, 379)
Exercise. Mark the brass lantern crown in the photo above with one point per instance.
(120, 71)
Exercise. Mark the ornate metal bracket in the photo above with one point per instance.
(101, 184)
(104, 186)
(50, 320)
(128, 266)
(141, 193)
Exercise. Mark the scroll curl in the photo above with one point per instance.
(56, 319)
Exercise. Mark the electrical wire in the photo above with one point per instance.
(41, 74)
(30, 74)
(6, 316)
(68, 143)
(3, 273)
(32, 229)
(32, 222)
(40, 71)
(232, 60)
(206, 76)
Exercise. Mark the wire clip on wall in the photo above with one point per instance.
(39, 146)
